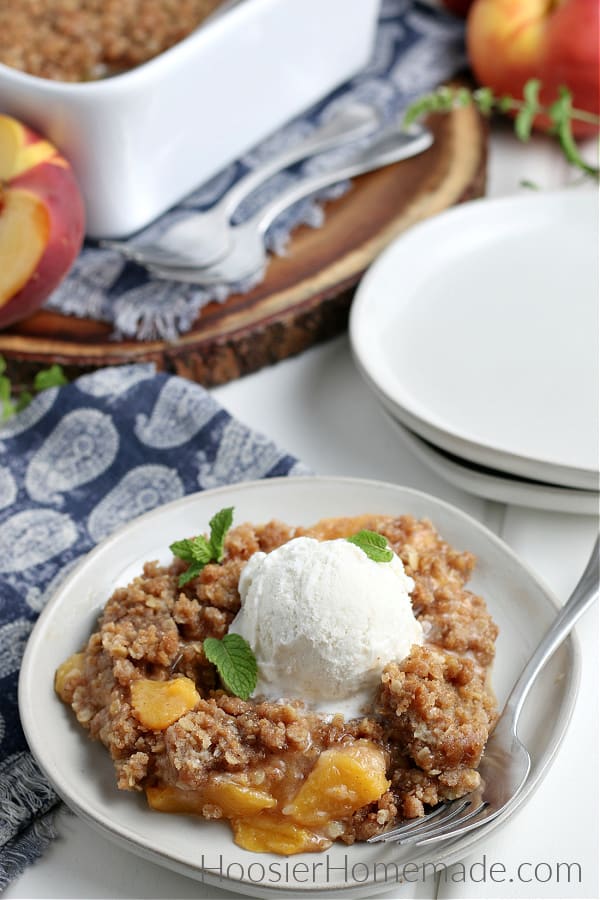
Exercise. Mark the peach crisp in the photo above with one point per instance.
(156, 684)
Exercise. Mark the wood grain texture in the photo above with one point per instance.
(305, 296)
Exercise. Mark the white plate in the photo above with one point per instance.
(494, 485)
(479, 327)
(83, 774)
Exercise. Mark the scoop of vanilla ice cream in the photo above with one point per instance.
(323, 619)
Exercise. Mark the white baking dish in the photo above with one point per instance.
(142, 140)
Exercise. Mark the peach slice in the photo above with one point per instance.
(237, 800)
(20, 149)
(22, 214)
(157, 704)
(72, 667)
(344, 779)
(272, 834)
(41, 220)
(234, 800)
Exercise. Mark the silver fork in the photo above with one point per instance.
(202, 239)
(248, 256)
(505, 764)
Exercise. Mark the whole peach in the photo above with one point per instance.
(556, 41)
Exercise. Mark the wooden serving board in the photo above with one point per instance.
(305, 296)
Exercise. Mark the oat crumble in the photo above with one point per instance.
(83, 40)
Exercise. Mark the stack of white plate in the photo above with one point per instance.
(477, 331)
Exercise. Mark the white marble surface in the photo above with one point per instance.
(317, 407)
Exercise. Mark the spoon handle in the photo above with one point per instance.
(349, 125)
(393, 146)
(584, 594)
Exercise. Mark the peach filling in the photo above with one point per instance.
(157, 704)
(343, 779)
(70, 668)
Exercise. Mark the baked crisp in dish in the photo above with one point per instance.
(82, 40)
(288, 777)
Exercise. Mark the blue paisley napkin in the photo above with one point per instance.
(79, 462)
(417, 47)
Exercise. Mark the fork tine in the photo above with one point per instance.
(451, 827)
(444, 812)
(409, 826)
(471, 821)
(443, 824)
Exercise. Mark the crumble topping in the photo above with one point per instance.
(82, 40)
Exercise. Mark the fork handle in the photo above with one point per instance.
(584, 594)
(346, 126)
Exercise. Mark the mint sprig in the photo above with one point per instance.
(219, 526)
(49, 378)
(561, 113)
(199, 551)
(10, 404)
(373, 544)
(235, 663)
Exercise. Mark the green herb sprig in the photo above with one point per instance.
(561, 113)
(11, 404)
(373, 544)
(231, 655)
(200, 551)
(235, 663)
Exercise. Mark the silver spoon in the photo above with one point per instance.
(202, 239)
(248, 256)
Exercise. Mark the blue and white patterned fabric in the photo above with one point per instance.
(79, 462)
(417, 47)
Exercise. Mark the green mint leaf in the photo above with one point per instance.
(506, 103)
(373, 544)
(561, 112)
(199, 551)
(529, 184)
(192, 550)
(531, 91)
(484, 98)
(416, 110)
(192, 572)
(7, 410)
(235, 663)
(182, 550)
(463, 97)
(219, 526)
(195, 551)
(524, 122)
(47, 378)
(441, 100)
(7, 405)
(5, 388)
(23, 401)
(444, 98)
